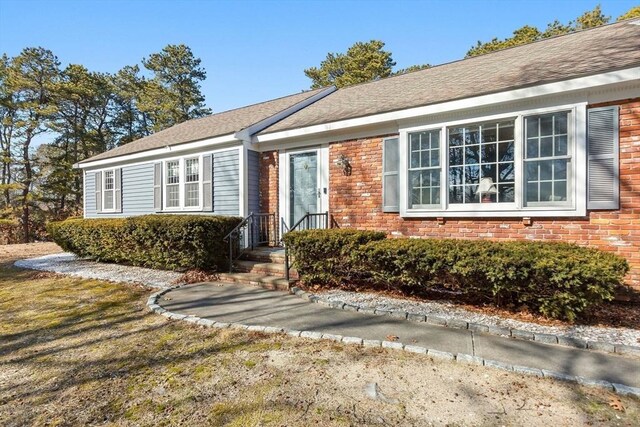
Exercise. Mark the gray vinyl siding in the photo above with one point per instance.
(137, 187)
(253, 178)
(226, 183)
(89, 194)
(137, 192)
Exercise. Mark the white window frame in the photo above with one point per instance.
(442, 168)
(574, 206)
(181, 185)
(104, 191)
(569, 157)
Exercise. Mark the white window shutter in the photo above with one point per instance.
(118, 189)
(207, 189)
(603, 158)
(98, 182)
(390, 175)
(157, 186)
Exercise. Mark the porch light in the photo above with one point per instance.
(343, 162)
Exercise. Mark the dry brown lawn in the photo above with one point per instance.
(77, 352)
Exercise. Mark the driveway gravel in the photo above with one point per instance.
(70, 264)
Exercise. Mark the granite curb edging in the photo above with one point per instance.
(519, 334)
(153, 306)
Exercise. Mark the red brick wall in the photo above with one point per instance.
(269, 182)
(355, 201)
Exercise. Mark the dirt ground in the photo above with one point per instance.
(77, 352)
(27, 250)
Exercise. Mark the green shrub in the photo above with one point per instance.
(558, 280)
(169, 242)
(324, 256)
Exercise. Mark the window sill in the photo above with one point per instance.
(541, 212)
(177, 211)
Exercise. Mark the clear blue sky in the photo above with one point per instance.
(257, 50)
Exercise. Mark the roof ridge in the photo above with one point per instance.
(572, 33)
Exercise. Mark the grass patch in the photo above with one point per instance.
(80, 352)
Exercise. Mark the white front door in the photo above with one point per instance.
(305, 184)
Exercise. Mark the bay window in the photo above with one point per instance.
(182, 184)
(503, 166)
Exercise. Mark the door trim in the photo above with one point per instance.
(284, 179)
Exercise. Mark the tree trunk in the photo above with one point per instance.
(28, 174)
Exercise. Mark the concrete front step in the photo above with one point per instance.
(264, 254)
(256, 279)
(269, 268)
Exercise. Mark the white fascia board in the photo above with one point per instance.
(160, 152)
(589, 82)
(246, 133)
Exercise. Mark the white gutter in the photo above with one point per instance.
(169, 149)
(589, 82)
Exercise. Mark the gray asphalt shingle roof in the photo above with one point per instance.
(583, 53)
(219, 124)
(594, 51)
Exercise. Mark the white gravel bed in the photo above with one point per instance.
(624, 336)
(70, 264)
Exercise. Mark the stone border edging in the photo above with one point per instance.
(152, 304)
(504, 332)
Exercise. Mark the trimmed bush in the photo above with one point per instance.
(324, 256)
(558, 280)
(168, 242)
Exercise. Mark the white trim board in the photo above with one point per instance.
(167, 156)
(589, 82)
(175, 150)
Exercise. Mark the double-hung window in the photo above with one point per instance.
(547, 159)
(424, 168)
(192, 183)
(109, 190)
(182, 184)
(513, 164)
(172, 191)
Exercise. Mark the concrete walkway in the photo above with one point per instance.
(257, 306)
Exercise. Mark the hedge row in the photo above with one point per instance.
(558, 280)
(323, 256)
(168, 242)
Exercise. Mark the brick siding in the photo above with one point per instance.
(269, 182)
(356, 200)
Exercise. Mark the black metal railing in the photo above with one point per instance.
(254, 230)
(311, 221)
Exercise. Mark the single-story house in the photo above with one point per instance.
(540, 142)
